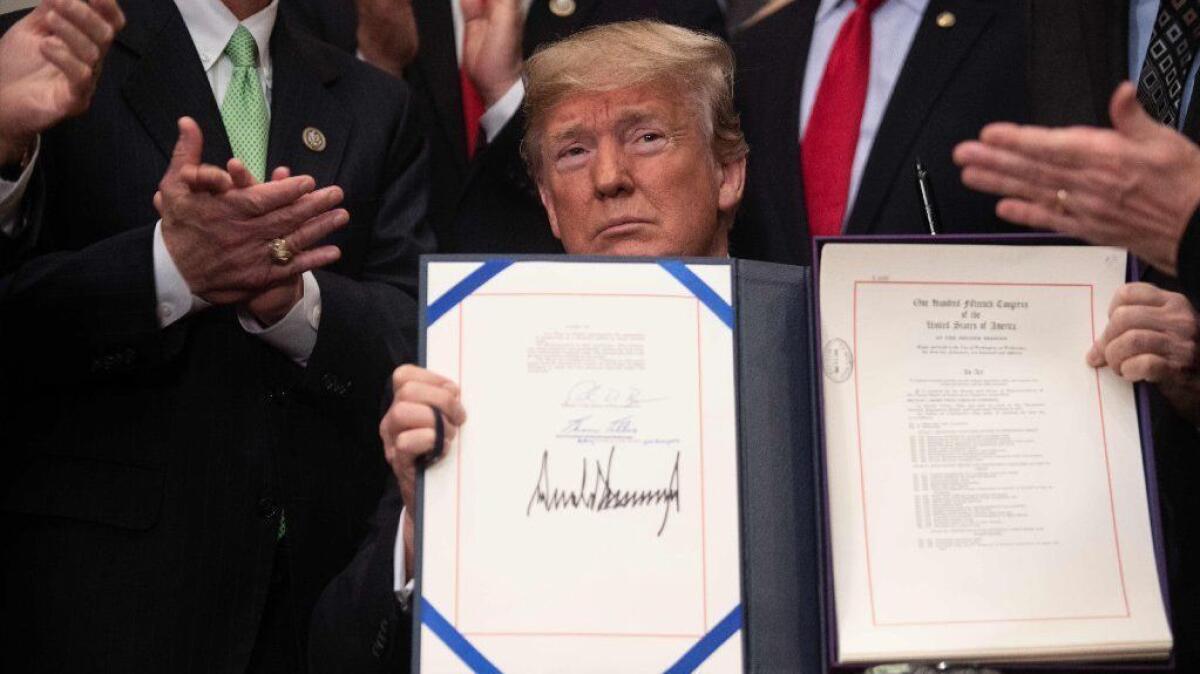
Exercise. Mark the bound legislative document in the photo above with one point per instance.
(586, 519)
(987, 497)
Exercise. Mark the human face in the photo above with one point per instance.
(632, 172)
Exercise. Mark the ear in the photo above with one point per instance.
(732, 178)
(548, 203)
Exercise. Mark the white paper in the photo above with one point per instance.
(987, 493)
(586, 519)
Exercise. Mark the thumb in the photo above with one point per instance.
(472, 9)
(1095, 355)
(188, 147)
(1128, 116)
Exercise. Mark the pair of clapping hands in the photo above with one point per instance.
(217, 224)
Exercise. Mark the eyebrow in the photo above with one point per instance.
(626, 119)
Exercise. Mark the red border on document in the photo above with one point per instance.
(862, 476)
(703, 519)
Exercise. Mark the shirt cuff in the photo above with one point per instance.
(175, 298)
(402, 588)
(11, 194)
(296, 333)
(495, 117)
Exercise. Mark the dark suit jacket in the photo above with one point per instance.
(1091, 37)
(489, 204)
(953, 82)
(147, 470)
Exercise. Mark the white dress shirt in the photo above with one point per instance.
(893, 27)
(211, 25)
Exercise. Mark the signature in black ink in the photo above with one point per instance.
(589, 393)
(584, 427)
(602, 495)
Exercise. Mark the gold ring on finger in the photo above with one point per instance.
(1060, 201)
(281, 254)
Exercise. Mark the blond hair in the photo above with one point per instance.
(628, 54)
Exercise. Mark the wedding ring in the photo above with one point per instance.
(280, 253)
(1060, 201)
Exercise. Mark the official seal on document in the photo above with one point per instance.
(837, 360)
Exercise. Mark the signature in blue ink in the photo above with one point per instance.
(589, 393)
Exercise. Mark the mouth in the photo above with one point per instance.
(623, 226)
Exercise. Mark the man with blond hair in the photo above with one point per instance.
(635, 148)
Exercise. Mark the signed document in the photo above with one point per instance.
(987, 494)
(586, 518)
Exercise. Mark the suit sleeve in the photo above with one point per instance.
(368, 324)
(357, 625)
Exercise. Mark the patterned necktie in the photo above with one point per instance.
(1169, 59)
(244, 110)
(831, 137)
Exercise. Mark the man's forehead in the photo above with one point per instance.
(594, 110)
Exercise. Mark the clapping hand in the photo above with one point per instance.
(49, 64)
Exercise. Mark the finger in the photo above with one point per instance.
(242, 177)
(90, 24)
(1006, 184)
(307, 260)
(268, 197)
(1037, 216)
(409, 372)
(438, 396)
(1146, 294)
(316, 229)
(280, 173)
(82, 46)
(1128, 116)
(404, 416)
(287, 219)
(1133, 343)
(1095, 355)
(472, 9)
(1146, 367)
(188, 146)
(111, 12)
(78, 73)
(1074, 147)
(206, 178)
(420, 441)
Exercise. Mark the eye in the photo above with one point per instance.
(649, 137)
(570, 157)
(648, 141)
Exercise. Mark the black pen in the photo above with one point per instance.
(928, 204)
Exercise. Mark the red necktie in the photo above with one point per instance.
(472, 105)
(472, 111)
(827, 151)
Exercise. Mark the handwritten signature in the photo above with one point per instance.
(586, 426)
(589, 393)
(602, 495)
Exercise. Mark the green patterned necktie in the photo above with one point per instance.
(244, 110)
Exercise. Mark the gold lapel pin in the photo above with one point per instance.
(946, 20)
(562, 8)
(313, 138)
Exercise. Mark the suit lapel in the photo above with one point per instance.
(791, 35)
(169, 82)
(932, 61)
(438, 63)
(299, 100)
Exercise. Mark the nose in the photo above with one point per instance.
(610, 171)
